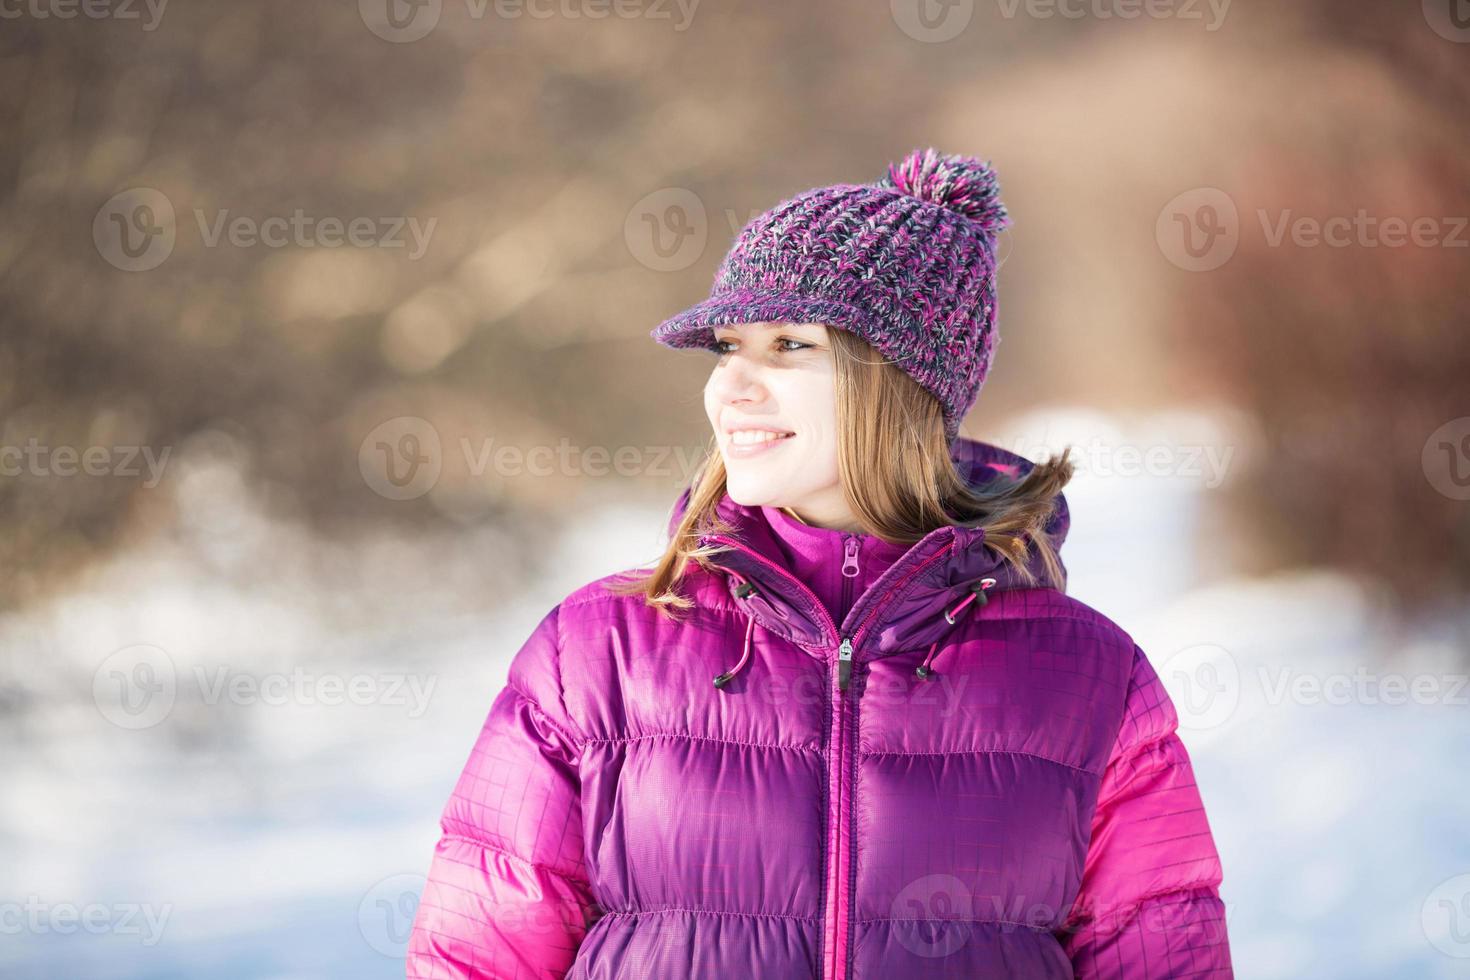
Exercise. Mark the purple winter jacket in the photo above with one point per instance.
(966, 777)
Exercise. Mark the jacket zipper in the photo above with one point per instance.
(849, 572)
(839, 917)
(839, 859)
(834, 924)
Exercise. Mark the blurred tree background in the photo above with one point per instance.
(538, 146)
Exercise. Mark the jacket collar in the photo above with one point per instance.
(904, 608)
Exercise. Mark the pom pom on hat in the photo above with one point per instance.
(962, 184)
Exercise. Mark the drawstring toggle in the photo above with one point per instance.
(978, 596)
(744, 591)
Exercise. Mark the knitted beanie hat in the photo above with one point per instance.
(908, 263)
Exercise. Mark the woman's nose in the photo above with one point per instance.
(737, 379)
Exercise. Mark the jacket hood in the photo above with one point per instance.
(907, 606)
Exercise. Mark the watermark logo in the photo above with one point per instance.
(134, 231)
(1204, 683)
(405, 458)
(667, 230)
(1450, 19)
(405, 21)
(135, 687)
(1445, 917)
(400, 21)
(1446, 459)
(386, 913)
(939, 908)
(1198, 230)
(402, 458)
(932, 21)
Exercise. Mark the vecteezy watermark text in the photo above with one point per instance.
(137, 687)
(38, 917)
(35, 459)
(405, 21)
(1200, 229)
(136, 230)
(305, 231)
(123, 10)
(1211, 12)
(404, 457)
(937, 21)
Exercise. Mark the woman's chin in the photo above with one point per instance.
(754, 490)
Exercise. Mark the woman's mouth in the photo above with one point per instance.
(744, 443)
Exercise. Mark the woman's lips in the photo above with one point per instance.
(734, 450)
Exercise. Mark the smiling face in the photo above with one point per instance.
(772, 402)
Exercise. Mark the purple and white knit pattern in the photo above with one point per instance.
(907, 262)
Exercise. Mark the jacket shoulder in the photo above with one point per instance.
(1146, 711)
(1064, 624)
(704, 588)
(610, 640)
(1051, 605)
(601, 590)
(569, 650)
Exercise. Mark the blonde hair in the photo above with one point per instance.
(897, 476)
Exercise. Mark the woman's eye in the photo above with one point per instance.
(726, 346)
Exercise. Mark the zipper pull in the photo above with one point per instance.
(850, 558)
(844, 664)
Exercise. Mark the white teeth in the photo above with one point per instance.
(752, 437)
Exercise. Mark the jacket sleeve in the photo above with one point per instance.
(1149, 907)
(507, 894)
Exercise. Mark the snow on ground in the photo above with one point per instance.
(252, 830)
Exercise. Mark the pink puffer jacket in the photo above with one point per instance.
(967, 777)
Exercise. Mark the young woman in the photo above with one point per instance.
(850, 725)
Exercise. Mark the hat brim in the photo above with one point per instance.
(695, 326)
